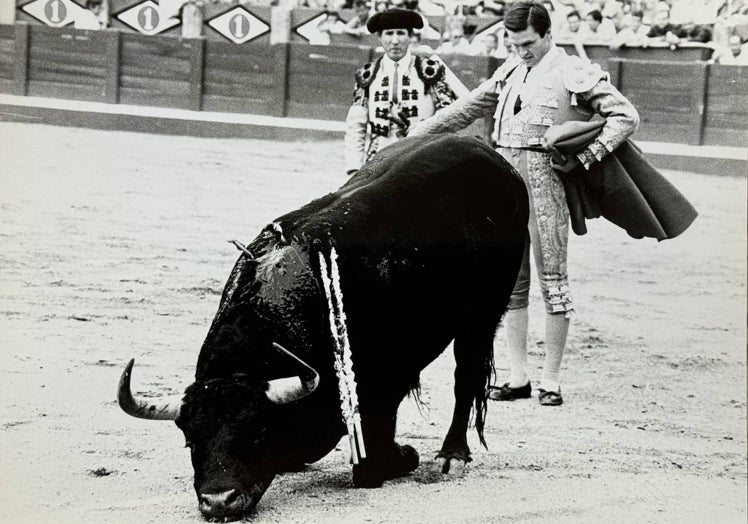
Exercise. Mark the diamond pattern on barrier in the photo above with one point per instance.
(239, 25)
(148, 18)
(54, 13)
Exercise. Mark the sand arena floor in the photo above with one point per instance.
(113, 245)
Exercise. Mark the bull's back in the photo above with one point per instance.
(433, 170)
(429, 233)
(423, 190)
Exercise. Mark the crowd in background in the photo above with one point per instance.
(721, 24)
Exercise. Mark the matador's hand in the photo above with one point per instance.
(565, 163)
(401, 121)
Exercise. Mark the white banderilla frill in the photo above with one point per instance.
(343, 362)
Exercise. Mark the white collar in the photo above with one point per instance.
(547, 61)
(388, 64)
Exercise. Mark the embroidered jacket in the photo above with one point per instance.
(389, 97)
(559, 88)
(524, 105)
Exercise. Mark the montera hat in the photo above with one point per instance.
(394, 19)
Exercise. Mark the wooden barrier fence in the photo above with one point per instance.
(690, 102)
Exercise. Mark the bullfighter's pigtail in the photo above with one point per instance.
(343, 361)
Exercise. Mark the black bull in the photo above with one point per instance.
(429, 235)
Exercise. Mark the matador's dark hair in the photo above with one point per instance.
(524, 14)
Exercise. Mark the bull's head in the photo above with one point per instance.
(225, 424)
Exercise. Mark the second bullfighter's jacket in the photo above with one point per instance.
(409, 90)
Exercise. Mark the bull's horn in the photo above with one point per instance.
(284, 390)
(167, 408)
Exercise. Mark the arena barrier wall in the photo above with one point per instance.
(227, 87)
(668, 95)
(689, 102)
(9, 58)
(726, 101)
(658, 52)
(695, 103)
(320, 79)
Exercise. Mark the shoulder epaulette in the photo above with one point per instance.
(365, 75)
(430, 69)
(582, 75)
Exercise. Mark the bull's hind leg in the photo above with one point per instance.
(385, 459)
(473, 349)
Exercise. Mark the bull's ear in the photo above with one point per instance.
(284, 390)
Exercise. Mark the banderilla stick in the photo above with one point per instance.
(241, 248)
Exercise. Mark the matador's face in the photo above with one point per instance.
(395, 42)
(529, 45)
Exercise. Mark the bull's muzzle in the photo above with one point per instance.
(231, 504)
(220, 505)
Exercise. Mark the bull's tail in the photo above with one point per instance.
(481, 397)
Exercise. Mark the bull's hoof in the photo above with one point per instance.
(367, 477)
(372, 473)
(407, 461)
(452, 467)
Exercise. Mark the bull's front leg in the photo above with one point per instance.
(385, 459)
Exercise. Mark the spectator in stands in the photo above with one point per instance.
(491, 43)
(736, 7)
(191, 14)
(706, 11)
(486, 45)
(736, 52)
(493, 8)
(634, 34)
(732, 19)
(571, 5)
(681, 11)
(356, 26)
(318, 4)
(692, 32)
(456, 42)
(417, 47)
(590, 5)
(573, 28)
(661, 24)
(330, 25)
(662, 30)
(574, 32)
(381, 5)
(415, 5)
(558, 16)
(95, 16)
(458, 8)
(613, 11)
(691, 20)
(628, 7)
(599, 29)
(395, 91)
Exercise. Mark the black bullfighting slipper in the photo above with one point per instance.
(507, 393)
(550, 398)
